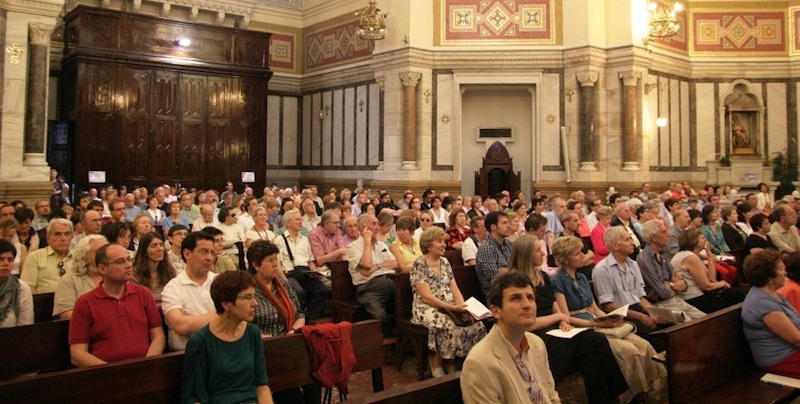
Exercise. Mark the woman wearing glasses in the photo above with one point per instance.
(224, 360)
(232, 232)
(82, 279)
(425, 222)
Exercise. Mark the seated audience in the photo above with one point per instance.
(186, 300)
(784, 232)
(760, 238)
(791, 288)
(734, 236)
(209, 373)
(588, 351)
(25, 232)
(405, 248)
(222, 262)
(45, 266)
(425, 221)
(151, 268)
(771, 324)
(746, 212)
(574, 296)
(703, 290)
(154, 211)
(327, 243)
(436, 298)
(604, 215)
(458, 232)
(119, 233)
(510, 365)
(385, 225)
(469, 249)
(438, 213)
(623, 218)
(206, 218)
(83, 277)
(279, 311)
(176, 235)
(370, 263)
(350, 229)
(174, 217)
(8, 232)
(141, 226)
(494, 254)
(98, 334)
(261, 227)
(16, 300)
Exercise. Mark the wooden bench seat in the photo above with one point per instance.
(709, 361)
(343, 294)
(34, 348)
(440, 390)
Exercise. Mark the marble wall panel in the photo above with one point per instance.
(706, 131)
(274, 119)
(317, 117)
(362, 146)
(775, 124)
(445, 136)
(374, 96)
(351, 113)
(290, 131)
(308, 117)
(326, 130)
(337, 137)
(685, 125)
(673, 90)
(664, 134)
(653, 107)
(548, 131)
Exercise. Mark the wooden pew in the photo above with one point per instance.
(43, 307)
(454, 257)
(34, 348)
(709, 361)
(343, 294)
(440, 390)
(159, 379)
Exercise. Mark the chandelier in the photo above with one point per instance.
(663, 22)
(373, 24)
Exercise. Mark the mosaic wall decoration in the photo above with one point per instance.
(506, 22)
(282, 52)
(741, 32)
(795, 12)
(335, 45)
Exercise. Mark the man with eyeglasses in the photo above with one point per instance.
(117, 208)
(186, 299)
(207, 218)
(98, 333)
(44, 267)
(188, 211)
(42, 212)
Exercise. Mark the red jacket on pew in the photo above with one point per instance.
(330, 347)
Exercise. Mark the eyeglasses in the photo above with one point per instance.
(232, 215)
(247, 297)
(61, 270)
(120, 261)
(425, 220)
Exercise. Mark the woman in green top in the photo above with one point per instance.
(224, 361)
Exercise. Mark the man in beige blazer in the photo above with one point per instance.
(510, 365)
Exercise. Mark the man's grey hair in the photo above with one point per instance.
(613, 234)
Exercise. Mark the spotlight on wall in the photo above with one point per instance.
(183, 42)
(662, 122)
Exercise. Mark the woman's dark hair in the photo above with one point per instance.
(141, 266)
(114, 230)
(227, 286)
(365, 206)
(762, 266)
(23, 214)
(223, 213)
(693, 213)
(687, 241)
(284, 201)
(259, 250)
(6, 246)
(758, 220)
(793, 266)
(671, 201)
(707, 211)
(743, 208)
(406, 223)
(613, 198)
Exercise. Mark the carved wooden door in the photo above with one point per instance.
(164, 166)
(192, 134)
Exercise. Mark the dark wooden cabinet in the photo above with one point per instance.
(148, 112)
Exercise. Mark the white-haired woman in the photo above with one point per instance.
(81, 279)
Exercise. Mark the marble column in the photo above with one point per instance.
(630, 108)
(586, 140)
(36, 99)
(410, 81)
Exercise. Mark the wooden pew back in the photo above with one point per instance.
(43, 307)
(34, 348)
(454, 257)
(440, 390)
(343, 293)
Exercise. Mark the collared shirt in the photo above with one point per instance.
(491, 255)
(201, 224)
(131, 213)
(39, 223)
(613, 283)
(246, 222)
(672, 243)
(380, 253)
(655, 272)
(525, 368)
(42, 270)
(323, 243)
(554, 223)
(348, 240)
(301, 251)
(182, 293)
(310, 223)
(784, 239)
(190, 215)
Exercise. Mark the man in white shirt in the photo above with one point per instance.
(186, 299)
(469, 251)
(310, 218)
(370, 264)
(206, 218)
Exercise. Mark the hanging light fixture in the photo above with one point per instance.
(663, 21)
(373, 24)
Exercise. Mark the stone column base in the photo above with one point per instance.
(588, 166)
(34, 160)
(409, 165)
(630, 166)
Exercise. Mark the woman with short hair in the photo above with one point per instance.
(260, 230)
(16, 299)
(83, 277)
(791, 289)
(405, 248)
(8, 232)
(759, 240)
(458, 231)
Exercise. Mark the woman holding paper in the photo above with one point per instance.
(588, 351)
(574, 296)
(771, 324)
(435, 294)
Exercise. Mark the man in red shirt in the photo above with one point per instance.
(117, 320)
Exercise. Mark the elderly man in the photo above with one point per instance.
(91, 222)
(469, 251)
(495, 253)
(310, 218)
(298, 265)
(98, 333)
(206, 219)
(327, 243)
(351, 232)
(187, 210)
(681, 221)
(554, 227)
(370, 263)
(186, 299)
(784, 232)
(45, 266)
(131, 210)
(510, 365)
(618, 281)
(662, 283)
(42, 212)
(623, 218)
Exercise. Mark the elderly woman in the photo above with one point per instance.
(174, 217)
(141, 226)
(791, 289)
(702, 288)
(588, 351)
(81, 279)
(435, 293)
(16, 300)
(209, 373)
(386, 222)
(771, 324)
(734, 235)
(425, 222)
(261, 228)
(231, 231)
(151, 267)
(405, 248)
(574, 296)
(476, 205)
(458, 231)
(8, 232)
(154, 212)
(764, 199)
(279, 311)
(759, 239)
(604, 216)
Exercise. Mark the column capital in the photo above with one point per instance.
(587, 78)
(381, 82)
(40, 33)
(410, 79)
(630, 78)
